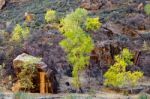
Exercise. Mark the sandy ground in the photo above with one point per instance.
(100, 95)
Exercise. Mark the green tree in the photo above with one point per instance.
(77, 43)
(118, 76)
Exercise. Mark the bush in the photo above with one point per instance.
(50, 16)
(27, 73)
(92, 23)
(20, 33)
(147, 9)
(117, 76)
(77, 43)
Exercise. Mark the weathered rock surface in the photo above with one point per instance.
(2, 3)
(91, 5)
(144, 63)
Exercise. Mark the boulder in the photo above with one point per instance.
(2, 3)
(144, 62)
(41, 66)
(114, 28)
(25, 58)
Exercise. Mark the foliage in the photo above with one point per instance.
(117, 76)
(20, 33)
(28, 70)
(77, 43)
(50, 16)
(92, 23)
(147, 9)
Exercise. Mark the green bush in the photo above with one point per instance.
(147, 9)
(20, 33)
(117, 76)
(50, 16)
(77, 43)
(92, 23)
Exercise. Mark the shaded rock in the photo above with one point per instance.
(65, 85)
(136, 21)
(2, 56)
(114, 28)
(136, 90)
(130, 32)
(105, 50)
(2, 26)
(144, 62)
(2, 3)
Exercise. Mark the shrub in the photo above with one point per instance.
(27, 73)
(117, 76)
(77, 43)
(92, 23)
(50, 16)
(147, 9)
(20, 33)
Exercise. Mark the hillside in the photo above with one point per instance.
(123, 24)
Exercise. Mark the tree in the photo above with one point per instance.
(77, 43)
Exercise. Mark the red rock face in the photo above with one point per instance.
(91, 4)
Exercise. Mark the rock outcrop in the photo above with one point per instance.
(41, 66)
(2, 3)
